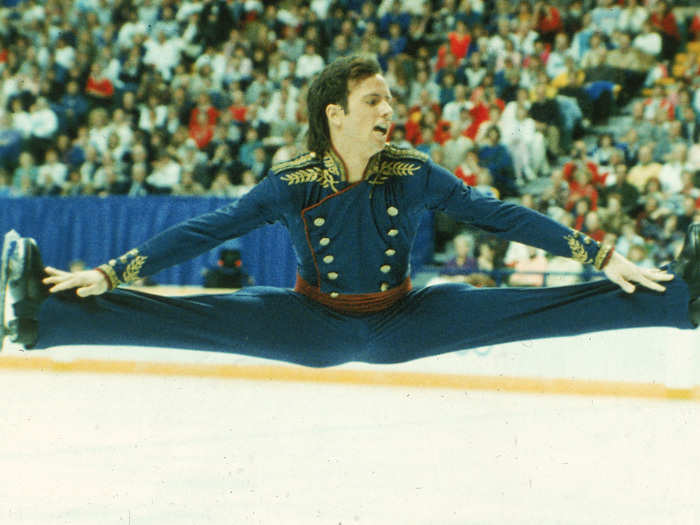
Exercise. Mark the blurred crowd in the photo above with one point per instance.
(587, 110)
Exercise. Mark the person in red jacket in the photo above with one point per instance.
(99, 88)
(663, 20)
(549, 21)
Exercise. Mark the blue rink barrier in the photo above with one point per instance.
(95, 229)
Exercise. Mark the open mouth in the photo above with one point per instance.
(381, 129)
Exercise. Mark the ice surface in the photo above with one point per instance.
(86, 449)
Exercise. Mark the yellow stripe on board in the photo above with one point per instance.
(354, 377)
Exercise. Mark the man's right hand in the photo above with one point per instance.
(87, 282)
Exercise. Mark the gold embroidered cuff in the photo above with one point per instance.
(602, 258)
(133, 268)
(110, 274)
(577, 244)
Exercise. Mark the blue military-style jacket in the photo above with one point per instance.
(352, 238)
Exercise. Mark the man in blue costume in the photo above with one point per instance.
(352, 205)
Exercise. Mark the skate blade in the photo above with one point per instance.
(8, 272)
(7, 345)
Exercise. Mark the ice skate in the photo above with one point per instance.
(22, 291)
(687, 266)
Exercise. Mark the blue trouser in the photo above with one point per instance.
(281, 324)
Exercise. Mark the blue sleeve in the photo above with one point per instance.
(445, 192)
(264, 204)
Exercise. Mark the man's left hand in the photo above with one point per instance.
(624, 273)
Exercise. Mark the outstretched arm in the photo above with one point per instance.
(520, 224)
(263, 204)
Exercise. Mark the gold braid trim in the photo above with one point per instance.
(404, 153)
(394, 169)
(301, 176)
(294, 163)
(111, 275)
(131, 273)
(602, 255)
(578, 251)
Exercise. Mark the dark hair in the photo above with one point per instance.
(330, 86)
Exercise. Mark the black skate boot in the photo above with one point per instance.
(687, 266)
(21, 288)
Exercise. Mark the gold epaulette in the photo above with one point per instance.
(310, 168)
(397, 162)
(306, 160)
(397, 153)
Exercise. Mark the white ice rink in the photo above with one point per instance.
(87, 449)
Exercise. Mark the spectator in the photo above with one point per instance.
(548, 21)
(137, 186)
(548, 119)
(628, 193)
(663, 20)
(188, 186)
(494, 156)
(44, 125)
(99, 88)
(605, 16)
(25, 175)
(6, 189)
(309, 63)
(166, 173)
(639, 256)
(162, 53)
(10, 142)
(645, 169)
(670, 174)
(248, 182)
(525, 144)
(687, 214)
(612, 217)
(51, 175)
(73, 186)
(246, 151)
(582, 185)
(456, 147)
(628, 238)
(73, 108)
(592, 226)
(529, 270)
(463, 263)
(221, 186)
(632, 17)
(469, 169)
(486, 258)
(556, 194)
(563, 271)
(648, 40)
(260, 163)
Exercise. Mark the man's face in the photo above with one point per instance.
(366, 120)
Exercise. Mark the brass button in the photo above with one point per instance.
(332, 275)
(385, 268)
(319, 221)
(390, 252)
(384, 287)
(325, 241)
(393, 232)
(328, 259)
(334, 294)
(393, 211)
